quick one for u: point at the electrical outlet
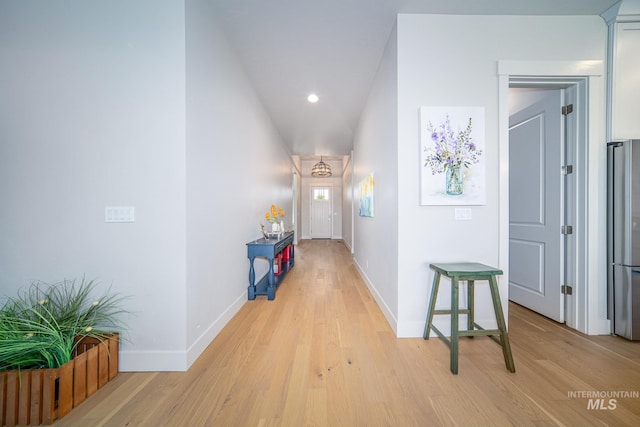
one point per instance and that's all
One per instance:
(119, 214)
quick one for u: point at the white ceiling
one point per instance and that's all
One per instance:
(291, 48)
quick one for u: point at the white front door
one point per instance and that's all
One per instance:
(536, 207)
(321, 209)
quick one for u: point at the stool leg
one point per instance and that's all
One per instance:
(470, 305)
(502, 326)
(454, 325)
(432, 305)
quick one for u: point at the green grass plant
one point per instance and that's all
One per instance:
(40, 327)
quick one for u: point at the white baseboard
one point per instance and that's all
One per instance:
(178, 361)
(145, 361)
(212, 331)
(600, 327)
(413, 329)
(381, 303)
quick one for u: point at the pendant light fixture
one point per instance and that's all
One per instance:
(321, 169)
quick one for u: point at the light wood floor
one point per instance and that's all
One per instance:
(322, 354)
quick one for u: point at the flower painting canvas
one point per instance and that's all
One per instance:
(452, 157)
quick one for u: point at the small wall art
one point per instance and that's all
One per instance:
(365, 193)
(452, 156)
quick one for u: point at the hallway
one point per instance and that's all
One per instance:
(322, 354)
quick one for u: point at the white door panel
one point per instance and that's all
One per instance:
(536, 208)
(321, 209)
(529, 257)
(526, 153)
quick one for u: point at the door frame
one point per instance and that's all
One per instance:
(587, 311)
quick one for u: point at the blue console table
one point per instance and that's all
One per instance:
(268, 248)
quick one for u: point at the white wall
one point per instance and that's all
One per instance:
(236, 168)
(375, 242)
(92, 115)
(106, 104)
(452, 61)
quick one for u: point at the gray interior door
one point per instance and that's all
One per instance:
(536, 207)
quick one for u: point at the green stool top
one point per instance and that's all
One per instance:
(464, 269)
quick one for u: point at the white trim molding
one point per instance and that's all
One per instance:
(590, 290)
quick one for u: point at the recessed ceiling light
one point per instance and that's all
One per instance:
(313, 98)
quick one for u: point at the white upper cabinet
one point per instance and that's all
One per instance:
(625, 84)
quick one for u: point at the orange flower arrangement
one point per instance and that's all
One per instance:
(274, 214)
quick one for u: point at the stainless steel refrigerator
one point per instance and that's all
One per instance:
(623, 237)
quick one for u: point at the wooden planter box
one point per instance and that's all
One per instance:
(41, 396)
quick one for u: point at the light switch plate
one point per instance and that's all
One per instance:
(463, 214)
(119, 214)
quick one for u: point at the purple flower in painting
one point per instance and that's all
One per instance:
(450, 148)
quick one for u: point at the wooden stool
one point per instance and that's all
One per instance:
(469, 271)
